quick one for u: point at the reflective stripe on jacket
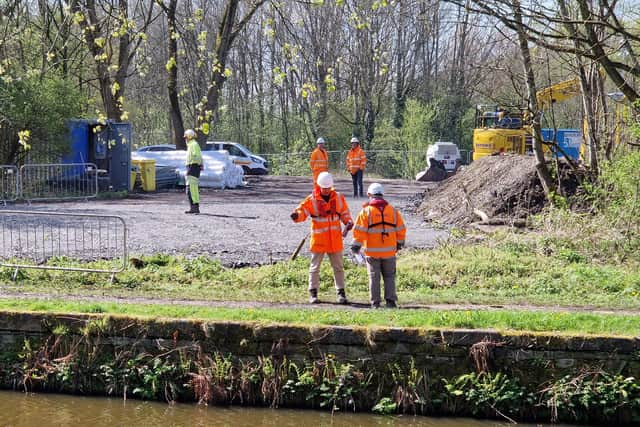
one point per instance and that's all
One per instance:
(194, 155)
(326, 232)
(356, 160)
(379, 233)
(319, 161)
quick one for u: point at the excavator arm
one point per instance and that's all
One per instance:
(557, 93)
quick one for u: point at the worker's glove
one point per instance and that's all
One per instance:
(349, 225)
(294, 216)
(355, 248)
(399, 246)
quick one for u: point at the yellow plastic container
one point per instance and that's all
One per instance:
(134, 173)
(147, 173)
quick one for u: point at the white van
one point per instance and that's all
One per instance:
(241, 156)
(446, 153)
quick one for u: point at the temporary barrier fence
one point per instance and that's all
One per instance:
(58, 181)
(31, 239)
(383, 163)
(9, 183)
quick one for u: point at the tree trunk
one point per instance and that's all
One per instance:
(400, 99)
(356, 114)
(177, 124)
(224, 41)
(98, 40)
(589, 128)
(541, 166)
(369, 122)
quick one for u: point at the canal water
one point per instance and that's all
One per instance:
(54, 410)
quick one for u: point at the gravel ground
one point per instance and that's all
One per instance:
(240, 227)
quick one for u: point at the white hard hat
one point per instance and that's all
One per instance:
(325, 180)
(320, 140)
(189, 134)
(356, 140)
(375, 189)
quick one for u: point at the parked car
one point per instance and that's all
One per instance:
(159, 147)
(241, 156)
(219, 169)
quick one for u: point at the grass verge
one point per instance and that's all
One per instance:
(500, 320)
(505, 270)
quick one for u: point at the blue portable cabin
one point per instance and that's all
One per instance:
(108, 145)
(567, 139)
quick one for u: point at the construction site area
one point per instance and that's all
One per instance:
(250, 226)
(241, 227)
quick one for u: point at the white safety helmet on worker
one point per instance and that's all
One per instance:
(320, 140)
(325, 180)
(189, 134)
(356, 140)
(375, 189)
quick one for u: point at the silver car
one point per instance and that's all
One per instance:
(241, 156)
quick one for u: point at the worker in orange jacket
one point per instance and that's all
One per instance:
(327, 209)
(356, 162)
(319, 161)
(380, 232)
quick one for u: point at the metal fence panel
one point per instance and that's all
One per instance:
(380, 163)
(59, 181)
(9, 183)
(288, 163)
(29, 239)
(465, 155)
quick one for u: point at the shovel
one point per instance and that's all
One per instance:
(295, 253)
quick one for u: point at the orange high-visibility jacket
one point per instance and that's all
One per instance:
(326, 233)
(356, 160)
(378, 233)
(319, 161)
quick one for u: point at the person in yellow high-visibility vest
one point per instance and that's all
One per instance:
(194, 167)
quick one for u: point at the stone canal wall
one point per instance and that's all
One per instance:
(444, 352)
(409, 365)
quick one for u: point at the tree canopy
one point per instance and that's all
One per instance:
(275, 75)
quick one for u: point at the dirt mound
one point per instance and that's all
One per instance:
(505, 187)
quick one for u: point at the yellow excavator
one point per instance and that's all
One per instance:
(504, 130)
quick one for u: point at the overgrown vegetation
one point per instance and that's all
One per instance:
(41, 106)
(89, 362)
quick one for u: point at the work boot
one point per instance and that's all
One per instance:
(375, 305)
(342, 297)
(196, 208)
(391, 304)
(313, 296)
(192, 209)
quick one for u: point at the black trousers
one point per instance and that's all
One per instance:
(356, 178)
